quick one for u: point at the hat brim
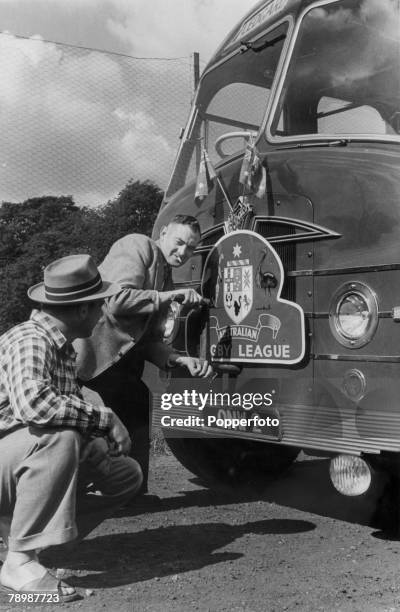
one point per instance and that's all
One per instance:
(108, 289)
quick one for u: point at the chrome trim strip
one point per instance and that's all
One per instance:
(335, 429)
(366, 358)
(386, 314)
(352, 270)
(213, 230)
(312, 231)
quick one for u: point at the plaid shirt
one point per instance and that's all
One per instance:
(38, 383)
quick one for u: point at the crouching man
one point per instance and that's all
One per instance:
(54, 445)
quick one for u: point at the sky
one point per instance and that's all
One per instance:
(83, 123)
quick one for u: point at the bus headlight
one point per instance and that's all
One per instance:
(353, 315)
(171, 322)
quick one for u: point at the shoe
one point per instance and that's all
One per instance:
(3, 552)
(46, 584)
(146, 498)
(143, 500)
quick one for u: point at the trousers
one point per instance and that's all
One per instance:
(52, 497)
(121, 389)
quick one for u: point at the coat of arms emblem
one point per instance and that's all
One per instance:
(249, 320)
(238, 286)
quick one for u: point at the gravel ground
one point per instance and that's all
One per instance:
(296, 545)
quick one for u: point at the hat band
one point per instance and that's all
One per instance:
(57, 294)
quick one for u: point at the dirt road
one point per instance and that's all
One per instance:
(295, 546)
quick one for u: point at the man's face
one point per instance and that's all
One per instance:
(177, 242)
(91, 313)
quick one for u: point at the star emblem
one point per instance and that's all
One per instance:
(237, 250)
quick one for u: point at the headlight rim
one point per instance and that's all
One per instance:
(369, 296)
(174, 308)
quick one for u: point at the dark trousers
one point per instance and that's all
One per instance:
(121, 389)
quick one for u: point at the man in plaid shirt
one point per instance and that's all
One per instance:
(53, 443)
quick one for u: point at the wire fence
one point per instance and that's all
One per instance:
(83, 122)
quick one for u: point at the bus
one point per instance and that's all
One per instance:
(290, 161)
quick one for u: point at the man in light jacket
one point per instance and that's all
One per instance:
(111, 361)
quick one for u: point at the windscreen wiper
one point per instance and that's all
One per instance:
(342, 142)
(249, 46)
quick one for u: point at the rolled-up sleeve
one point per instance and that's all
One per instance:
(34, 398)
(131, 301)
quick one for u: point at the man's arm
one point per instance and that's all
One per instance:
(164, 357)
(132, 301)
(187, 297)
(133, 262)
(36, 401)
(198, 368)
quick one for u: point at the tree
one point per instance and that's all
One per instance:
(40, 230)
(20, 222)
(133, 210)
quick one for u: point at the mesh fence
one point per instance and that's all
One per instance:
(83, 122)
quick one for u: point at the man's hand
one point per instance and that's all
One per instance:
(187, 297)
(120, 442)
(199, 368)
(95, 452)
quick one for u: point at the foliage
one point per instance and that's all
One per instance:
(35, 232)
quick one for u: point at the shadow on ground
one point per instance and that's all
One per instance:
(167, 550)
(306, 486)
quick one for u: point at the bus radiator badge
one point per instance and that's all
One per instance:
(249, 321)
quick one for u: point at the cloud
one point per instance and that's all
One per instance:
(163, 28)
(84, 123)
(178, 26)
(362, 56)
(77, 123)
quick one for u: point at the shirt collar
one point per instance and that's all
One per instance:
(56, 335)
